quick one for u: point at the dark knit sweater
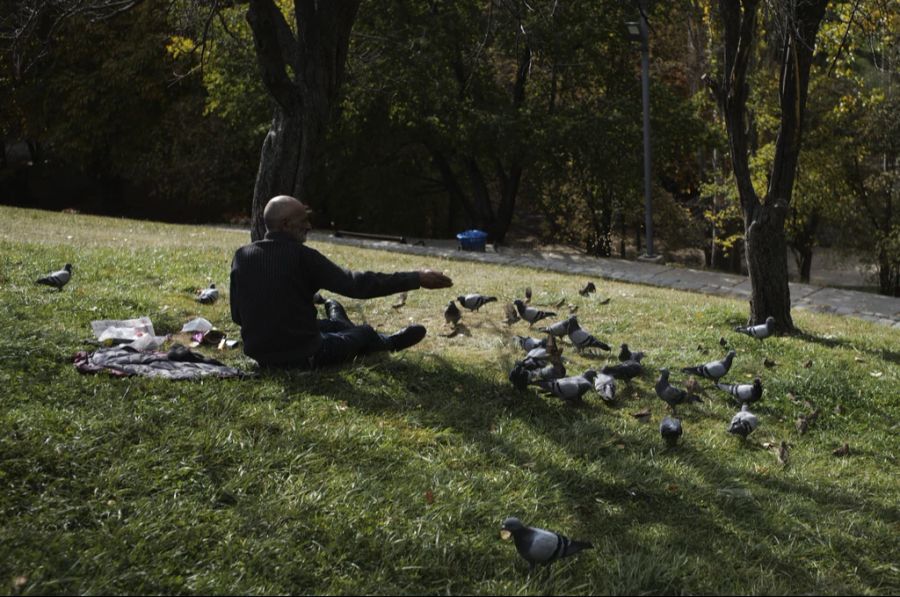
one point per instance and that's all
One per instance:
(272, 286)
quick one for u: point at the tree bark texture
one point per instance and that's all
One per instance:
(798, 24)
(303, 75)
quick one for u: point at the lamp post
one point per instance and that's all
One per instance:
(638, 31)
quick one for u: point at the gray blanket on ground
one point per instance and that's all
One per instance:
(178, 363)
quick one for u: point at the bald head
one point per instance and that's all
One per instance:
(286, 214)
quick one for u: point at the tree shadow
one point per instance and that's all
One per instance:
(889, 356)
(642, 493)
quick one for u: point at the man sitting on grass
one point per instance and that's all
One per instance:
(273, 285)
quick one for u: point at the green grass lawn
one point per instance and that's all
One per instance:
(393, 475)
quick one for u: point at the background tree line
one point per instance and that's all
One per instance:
(497, 114)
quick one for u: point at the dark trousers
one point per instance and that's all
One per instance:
(343, 341)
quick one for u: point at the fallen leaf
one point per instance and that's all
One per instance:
(620, 446)
(429, 497)
(672, 488)
(859, 359)
(807, 364)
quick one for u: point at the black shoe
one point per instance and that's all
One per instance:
(408, 336)
(335, 312)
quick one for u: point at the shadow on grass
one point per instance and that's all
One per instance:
(886, 355)
(702, 522)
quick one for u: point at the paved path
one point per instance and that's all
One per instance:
(871, 307)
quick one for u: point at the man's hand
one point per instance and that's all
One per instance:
(431, 279)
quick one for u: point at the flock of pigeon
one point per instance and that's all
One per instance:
(543, 367)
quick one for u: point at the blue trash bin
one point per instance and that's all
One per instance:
(472, 240)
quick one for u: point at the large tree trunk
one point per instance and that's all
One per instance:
(798, 24)
(303, 74)
(767, 264)
(278, 166)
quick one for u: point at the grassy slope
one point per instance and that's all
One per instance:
(393, 475)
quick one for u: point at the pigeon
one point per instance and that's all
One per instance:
(783, 453)
(713, 370)
(589, 288)
(452, 314)
(208, 296)
(560, 328)
(474, 302)
(570, 389)
(627, 370)
(401, 301)
(743, 423)
(582, 340)
(536, 358)
(670, 394)
(530, 314)
(670, 430)
(744, 393)
(763, 330)
(625, 354)
(512, 315)
(842, 451)
(529, 344)
(539, 546)
(605, 386)
(57, 279)
(643, 416)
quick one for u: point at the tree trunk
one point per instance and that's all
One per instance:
(764, 220)
(278, 166)
(303, 74)
(767, 265)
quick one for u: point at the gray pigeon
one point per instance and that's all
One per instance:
(744, 393)
(539, 546)
(452, 314)
(530, 314)
(529, 344)
(743, 423)
(763, 330)
(670, 430)
(713, 370)
(57, 279)
(583, 340)
(570, 389)
(560, 328)
(588, 288)
(670, 394)
(626, 354)
(605, 386)
(626, 371)
(474, 302)
(208, 296)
